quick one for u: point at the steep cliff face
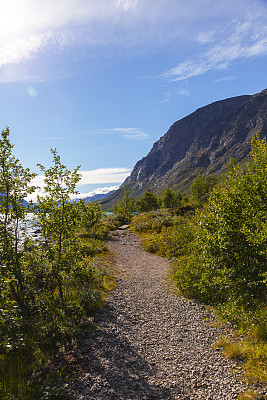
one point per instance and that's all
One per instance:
(202, 142)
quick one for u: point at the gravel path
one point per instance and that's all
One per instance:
(150, 344)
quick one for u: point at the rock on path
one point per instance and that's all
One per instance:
(150, 344)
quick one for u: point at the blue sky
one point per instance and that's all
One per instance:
(102, 80)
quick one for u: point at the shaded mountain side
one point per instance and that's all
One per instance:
(24, 202)
(202, 142)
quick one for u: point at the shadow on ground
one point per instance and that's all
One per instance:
(109, 367)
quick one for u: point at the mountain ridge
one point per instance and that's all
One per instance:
(201, 142)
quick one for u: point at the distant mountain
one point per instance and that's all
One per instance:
(98, 197)
(203, 142)
(24, 202)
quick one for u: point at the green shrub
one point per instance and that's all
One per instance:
(50, 291)
(147, 202)
(232, 234)
(152, 221)
(125, 207)
(112, 221)
(172, 241)
(170, 199)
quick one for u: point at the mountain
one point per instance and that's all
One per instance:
(203, 142)
(98, 197)
(24, 202)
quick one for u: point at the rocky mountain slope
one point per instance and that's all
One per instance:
(202, 142)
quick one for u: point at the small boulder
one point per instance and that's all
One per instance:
(123, 227)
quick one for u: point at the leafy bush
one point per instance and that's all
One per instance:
(220, 254)
(147, 202)
(111, 222)
(90, 246)
(232, 235)
(202, 187)
(170, 199)
(152, 221)
(125, 207)
(171, 241)
(48, 292)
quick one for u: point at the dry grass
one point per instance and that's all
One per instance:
(251, 395)
(252, 354)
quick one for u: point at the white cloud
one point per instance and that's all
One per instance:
(242, 40)
(130, 133)
(225, 79)
(54, 138)
(184, 92)
(92, 177)
(127, 133)
(30, 27)
(167, 97)
(104, 190)
(172, 94)
(205, 37)
(104, 175)
(80, 195)
(127, 4)
(24, 49)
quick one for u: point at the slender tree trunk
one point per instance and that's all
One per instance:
(58, 268)
(59, 257)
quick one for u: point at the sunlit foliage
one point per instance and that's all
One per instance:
(49, 288)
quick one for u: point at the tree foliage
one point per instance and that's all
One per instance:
(148, 202)
(170, 199)
(58, 217)
(14, 186)
(201, 188)
(49, 290)
(230, 256)
(125, 207)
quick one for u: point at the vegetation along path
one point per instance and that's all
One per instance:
(150, 343)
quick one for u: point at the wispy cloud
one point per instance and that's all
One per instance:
(127, 133)
(241, 40)
(54, 138)
(225, 79)
(167, 96)
(30, 28)
(184, 92)
(205, 37)
(24, 49)
(127, 4)
(130, 133)
(46, 28)
(174, 94)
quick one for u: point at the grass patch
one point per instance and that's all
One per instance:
(234, 350)
(251, 395)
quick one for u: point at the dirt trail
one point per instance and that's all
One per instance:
(151, 344)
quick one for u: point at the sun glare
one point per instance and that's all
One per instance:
(14, 19)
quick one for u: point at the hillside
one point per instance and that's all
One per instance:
(202, 142)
